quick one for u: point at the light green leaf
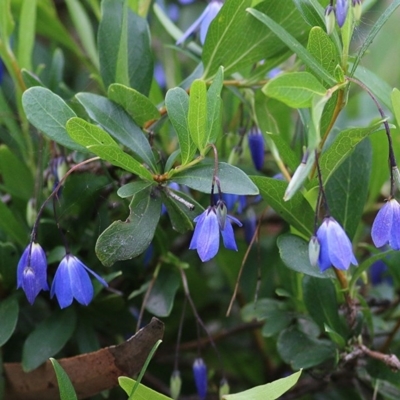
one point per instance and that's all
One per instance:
(395, 100)
(233, 180)
(296, 89)
(270, 391)
(309, 13)
(137, 105)
(294, 253)
(119, 125)
(131, 188)
(296, 212)
(26, 33)
(214, 107)
(197, 116)
(67, 391)
(48, 338)
(177, 103)
(100, 143)
(49, 113)
(9, 310)
(142, 392)
(162, 295)
(123, 240)
(295, 46)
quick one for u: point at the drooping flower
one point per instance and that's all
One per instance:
(385, 229)
(31, 271)
(335, 246)
(72, 281)
(257, 148)
(342, 7)
(200, 377)
(203, 22)
(206, 233)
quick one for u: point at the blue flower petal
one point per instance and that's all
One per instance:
(29, 284)
(382, 225)
(200, 377)
(208, 240)
(394, 239)
(196, 234)
(192, 28)
(62, 285)
(211, 12)
(324, 261)
(228, 237)
(340, 250)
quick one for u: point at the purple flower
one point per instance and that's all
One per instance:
(379, 273)
(72, 281)
(203, 22)
(342, 7)
(200, 377)
(257, 148)
(335, 246)
(385, 229)
(31, 271)
(206, 233)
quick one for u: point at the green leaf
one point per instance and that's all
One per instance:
(119, 125)
(197, 116)
(30, 79)
(373, 32)
(138, 106)
(162, 295)
(12, 226)
(26, 33)
(84, 29)
(395, 100)
(8, 260)
(100, 143)
(309, 13)
(270, 391)
(343, 145)
(6, 21)
(296, 89)
(233, 180)
(347, 190)
(236, 40)
(302, 351)
(214, 107)
(8, 316)
(177, 103)
(49, 113)
(123, 240)
(297, 211)
(142, 392)
(295, 46)
(67, 391)
(131, 188)
(294, 253)
(124, 47)
(319, 297)
(48, 338)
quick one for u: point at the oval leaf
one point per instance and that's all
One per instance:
(8, 316)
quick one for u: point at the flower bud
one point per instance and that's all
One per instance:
(342, 6)
(200, 377)
(396, 176)
(313, 251)
(175, 384)
(357, 10)
(329, 19)
(257, 148)
(223, 388)
(31, 213)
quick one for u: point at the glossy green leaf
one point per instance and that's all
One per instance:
(177, 103)
(26, 33)
(343, 145)
(124, 47)
(48, 338)
(296, 89)
(67, 391)
(395, 100)
(49, 113)
(142, 392)
(229, 35)
(197, 116)
(303, 351)
(295, 46)
(100, 143)
(233, 180)
(347, 190)
(131, 188)
(214, 108)
(294, 253)
(119, 125)
(9, 310)
(137, 105)
(309, 13)
(270, 391)
(319, 297)
(162, 295)
(30, 79)
(123, 240)
(296, 212)
(84, 29)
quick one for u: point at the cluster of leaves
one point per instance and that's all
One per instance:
(80, 84)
